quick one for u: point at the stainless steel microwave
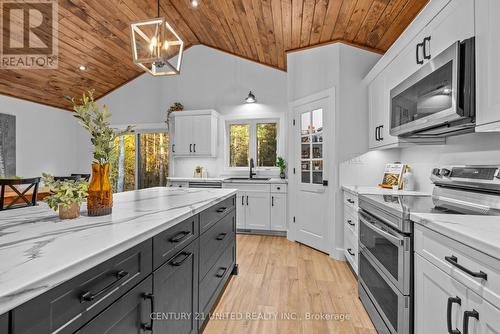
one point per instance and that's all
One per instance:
(438, 100)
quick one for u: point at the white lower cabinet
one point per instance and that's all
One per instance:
(260, 206)
(351, 229)
(448, 298)
(278, 212)
(257, 211)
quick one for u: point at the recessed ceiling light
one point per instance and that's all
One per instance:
(82, 68)
(194, 3)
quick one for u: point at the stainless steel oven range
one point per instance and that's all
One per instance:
(386, 238)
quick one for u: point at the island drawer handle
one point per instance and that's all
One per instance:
(179, 236)
(151, 297)
(350, 222)
(184, 256)
(349, 250)
(453, 260)
(350, 201)
(223, 272)
(221, 236)
(89, 296)
(221, 210)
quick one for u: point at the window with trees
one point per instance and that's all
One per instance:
(253, 139)
(140, 161)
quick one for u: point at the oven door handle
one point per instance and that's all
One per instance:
(395, 240)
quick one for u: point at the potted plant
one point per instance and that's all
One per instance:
(65, 196)
(281, 163)
(177, 106)
(96, 121)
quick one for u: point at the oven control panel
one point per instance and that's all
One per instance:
(483, 177)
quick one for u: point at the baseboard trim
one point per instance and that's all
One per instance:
(338, 254)
(262, 232)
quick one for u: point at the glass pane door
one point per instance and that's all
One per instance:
(311, 139)
(123, 164)
(153, 160)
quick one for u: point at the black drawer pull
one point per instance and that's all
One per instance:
(151, 297)
(349, 250)
(221, 236)
(219, 274)
(350, 201)
(454, 262)
(467, 315)
(179, 236)
(221, 210)
(451, 301)
(89, 296)
(350, 222)
(183, 257)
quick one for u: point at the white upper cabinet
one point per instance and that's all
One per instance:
(487, 65)
(195, 133)
(453, 21)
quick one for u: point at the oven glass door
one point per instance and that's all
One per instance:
(386, 299)
(388, 249)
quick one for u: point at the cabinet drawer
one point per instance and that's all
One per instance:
(442, 251)
(351, 223)
(278, 188)
(351, 248)
(128, 315)
(351, 200)
(213, 214)
(68, 306)
(215, 240)
(174, 239)
(4, 323)
(214, 281)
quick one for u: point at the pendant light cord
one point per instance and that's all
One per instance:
(158, 8)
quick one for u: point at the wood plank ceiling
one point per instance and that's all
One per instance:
(96, 33)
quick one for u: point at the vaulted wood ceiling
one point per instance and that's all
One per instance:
(96, 33)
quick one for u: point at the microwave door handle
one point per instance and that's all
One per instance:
(395, 240)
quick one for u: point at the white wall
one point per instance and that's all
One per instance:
(209, 79)
(342, 67)
(46, 139)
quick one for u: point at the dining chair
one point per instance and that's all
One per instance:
(20, 194)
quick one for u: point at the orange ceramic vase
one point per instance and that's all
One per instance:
(100, 198)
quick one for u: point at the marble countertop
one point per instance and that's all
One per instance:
(38, 251)
(226, 180)
(367, 190)
(479, 232)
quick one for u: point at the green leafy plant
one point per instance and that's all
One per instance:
(64, 193)
(96, 122)
(281, 163)
(177, 106)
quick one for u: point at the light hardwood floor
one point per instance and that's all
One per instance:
(282, 278)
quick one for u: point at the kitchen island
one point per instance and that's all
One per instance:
(161, 250)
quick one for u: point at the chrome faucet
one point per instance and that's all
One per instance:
(252, 174)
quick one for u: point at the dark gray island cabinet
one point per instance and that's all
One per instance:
(166, 284)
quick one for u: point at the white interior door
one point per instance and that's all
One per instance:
(312, 138)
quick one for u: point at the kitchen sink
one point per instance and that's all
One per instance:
(248, 179)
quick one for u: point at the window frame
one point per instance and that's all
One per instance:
(252, 145)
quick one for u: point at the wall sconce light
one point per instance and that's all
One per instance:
(250, 98)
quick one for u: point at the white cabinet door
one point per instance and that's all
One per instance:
(240, 210)
(257, 210)
(183, 135)
(201, 135)
(278, 212)
(433, 290)
(376, 108)
(483, 317)
(487, 62)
